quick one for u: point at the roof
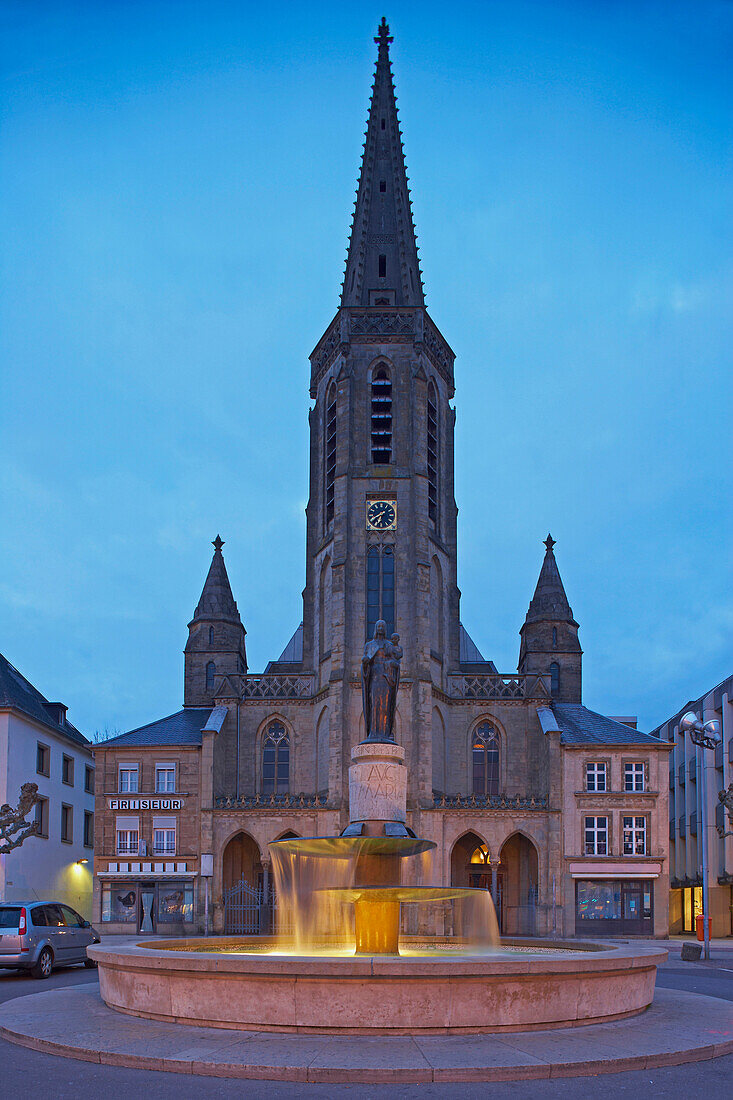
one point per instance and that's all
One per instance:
(182, 728)
(580, 726)
(217, 601)
(549, 603)
(383, 254)
(19, 693)
(293, 652)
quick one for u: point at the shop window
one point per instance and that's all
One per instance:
(67, 770)
(635, 836)
(88, 779)
(43, 759)
(596, 836)
(175, 903)
(119, 903)
(88, 829)
(634, 775)
(42, 817)
(128, 778)
(275, 760)
(485, 758)
(595, 776)
(67, 823)
(165, 778)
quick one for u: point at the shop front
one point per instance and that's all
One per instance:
(154, 905)
(612, 907)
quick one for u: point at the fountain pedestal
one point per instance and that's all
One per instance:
(378, 783)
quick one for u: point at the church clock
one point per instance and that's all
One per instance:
(381, 515)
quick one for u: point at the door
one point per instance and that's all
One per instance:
(60, 936)
(147, 909)
(631, 911)
(77, 935)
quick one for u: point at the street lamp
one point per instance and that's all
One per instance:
(707, 736)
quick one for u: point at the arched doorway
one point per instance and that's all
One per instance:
(519, 865)
(241, 860)
(471, 865)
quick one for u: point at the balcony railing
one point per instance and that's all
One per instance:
(496, 686)
(274, 686)
(271, 802)
(489, 802)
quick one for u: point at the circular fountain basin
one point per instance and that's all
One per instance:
(199, 982)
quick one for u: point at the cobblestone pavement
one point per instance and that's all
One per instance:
(31, 1074)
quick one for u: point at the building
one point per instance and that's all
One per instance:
(499, 765)
(686, 763)
(39, 745)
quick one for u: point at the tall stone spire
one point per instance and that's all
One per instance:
(217, 601)
(549, 603)
(382, 266)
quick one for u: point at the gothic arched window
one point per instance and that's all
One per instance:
(210, 673)
(381, 418)
(485, 760)
(433, 441)
(554, 679)
(211, 635)
(329, 453)
(275, 759)
(380, 588)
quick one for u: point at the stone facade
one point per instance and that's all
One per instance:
(485, 778)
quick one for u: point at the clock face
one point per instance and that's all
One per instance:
(381, 515)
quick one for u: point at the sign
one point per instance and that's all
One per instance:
(146, 803)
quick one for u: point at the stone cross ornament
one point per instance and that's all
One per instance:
(14, 828)
(380, 678)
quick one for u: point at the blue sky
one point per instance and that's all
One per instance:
(177, 181)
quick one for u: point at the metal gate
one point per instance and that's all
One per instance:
(243, 910)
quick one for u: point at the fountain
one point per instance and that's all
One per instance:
(340, 962)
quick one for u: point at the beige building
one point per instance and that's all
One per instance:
(686, 764)
(490, 756)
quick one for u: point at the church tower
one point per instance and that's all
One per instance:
(550, 643)
(381, 516)
(215, 645)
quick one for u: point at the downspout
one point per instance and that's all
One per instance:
(237, 781)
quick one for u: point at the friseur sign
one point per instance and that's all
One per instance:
(146, 803)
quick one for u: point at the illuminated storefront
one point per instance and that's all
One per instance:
(614, 907)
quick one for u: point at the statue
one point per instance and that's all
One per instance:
(380, 678)
(726, 797)
(14, 828)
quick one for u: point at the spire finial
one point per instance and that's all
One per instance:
(217, 544)
(383, 36)
(549, 542)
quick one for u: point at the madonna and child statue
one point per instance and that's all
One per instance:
(380, 678)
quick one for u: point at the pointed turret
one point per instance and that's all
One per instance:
(215, 645)
(382, 266)
(549, 635)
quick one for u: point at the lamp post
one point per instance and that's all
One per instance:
(707, 736)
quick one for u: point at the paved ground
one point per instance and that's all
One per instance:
(32, 1075)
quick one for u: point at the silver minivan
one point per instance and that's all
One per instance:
(38, 935)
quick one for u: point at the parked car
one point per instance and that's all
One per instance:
(38, 935)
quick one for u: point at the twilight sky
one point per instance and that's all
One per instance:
(177, 181)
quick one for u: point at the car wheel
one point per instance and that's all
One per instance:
(44, 965)
(90, 964)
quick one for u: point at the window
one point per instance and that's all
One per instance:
(211, 635)
(88, 779)
(88, 829)
(128, 836)
(165, 778)
(635, 836)
(329, 453)
(381, 424)
(554, 637)
(43, 759)
(486, 760)
(384, 123)
(433, 453)
(67, 823)
(210, 673)
(554, 679)
(596, 836)
(67, 770)
(164, 836)
(595, 777)
(128, 779)
(119, 902)
(175, 903)
(634, 775)
(382, 186)
(42, 817)
(382, 266)
(275, 760)
(380, 588)
(72, 918)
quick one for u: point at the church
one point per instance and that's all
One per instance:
(559, 811)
